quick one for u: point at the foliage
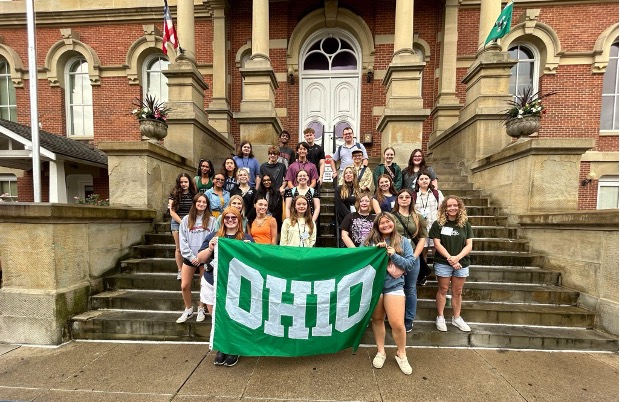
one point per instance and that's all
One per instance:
(150, 108)
(527, 103)
(93, 199)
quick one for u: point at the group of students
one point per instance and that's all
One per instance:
(407, 216)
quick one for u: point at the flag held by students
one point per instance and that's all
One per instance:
(502, 25)
(170, 34)
(290, 301)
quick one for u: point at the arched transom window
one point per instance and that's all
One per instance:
(79, 99)
(8, 108)
(156, 82)
(611, 92)
(330, 54)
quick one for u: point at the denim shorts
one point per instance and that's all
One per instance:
(174, 226)
(446, 271)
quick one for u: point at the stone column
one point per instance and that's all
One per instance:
(219, 111)
(446, 111)
(185, 28)
(489, 11)
(401, 122)
(403, 26)
(189, 132)
(258, 120)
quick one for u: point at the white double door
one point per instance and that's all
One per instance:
(329, 104)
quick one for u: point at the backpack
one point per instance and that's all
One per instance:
(357, 144)
(414, 196)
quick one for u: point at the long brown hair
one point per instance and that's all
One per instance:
(379, 193)
(375, 235)
(294, 216)
(411, 210)
(177, 191)
(442, 214)
(239, 235)
(410, 165)
(193, 213)
(345, 190)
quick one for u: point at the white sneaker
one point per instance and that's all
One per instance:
(460, 324)
(186, 315)
(440, 323)
(178, 275)
(404, 365)
(201, 314)
(378, 361)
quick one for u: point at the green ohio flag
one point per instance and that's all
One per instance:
(502, 25)
(290, 301)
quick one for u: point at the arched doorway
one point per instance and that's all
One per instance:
(329, 99)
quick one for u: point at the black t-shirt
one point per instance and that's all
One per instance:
(357, 226)
(287, 156)
(315, 154)
(183, 207)
(276, 171)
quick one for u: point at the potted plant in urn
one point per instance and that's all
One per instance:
(523, 116)
(152, 115)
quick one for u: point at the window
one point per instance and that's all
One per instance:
(8, 187)
(79, 98)
(611, 92)
(523, 75)
(155, 82)
(608, 191)
(8, 108)
(330, 53)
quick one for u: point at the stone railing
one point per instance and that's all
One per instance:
(53, 257)
(583, 246)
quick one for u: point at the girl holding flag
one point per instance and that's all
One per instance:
(392, 301)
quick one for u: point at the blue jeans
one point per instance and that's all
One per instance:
(411, 292)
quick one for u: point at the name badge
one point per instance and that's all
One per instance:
(392, 204)
(447, 231)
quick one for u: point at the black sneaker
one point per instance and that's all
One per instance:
(408, 326)
(421, 281)
(231, 360)
(219, 358)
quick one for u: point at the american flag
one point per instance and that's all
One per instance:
(170, 34)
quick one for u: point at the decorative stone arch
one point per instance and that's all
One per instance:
(602, 48)
(15, 63)
(542, 37)
(62, 51)
(420, 45)
(331, 17)
(247, 48)
(147, 45)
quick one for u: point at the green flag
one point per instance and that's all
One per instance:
(291, 301)
(502, 25)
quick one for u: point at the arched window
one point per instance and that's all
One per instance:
(524, 74)
(331, 53)
(155, 82)
(8, 108)
(79, 99)
(611, 92)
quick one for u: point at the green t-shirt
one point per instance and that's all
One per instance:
(410, 223)
(453, 238)
(202, 187)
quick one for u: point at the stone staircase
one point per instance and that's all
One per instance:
(509, 301)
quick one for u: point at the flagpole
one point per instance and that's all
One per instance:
(34, 110)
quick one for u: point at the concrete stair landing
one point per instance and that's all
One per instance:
(509, 300)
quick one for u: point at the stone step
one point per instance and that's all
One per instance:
(475, 200)
(508, 293)
(475, 210)
(502, 258)
(161, 326)
(451, 186)
(452, 176)
(154, 281)
(488, 220)
(495, 244)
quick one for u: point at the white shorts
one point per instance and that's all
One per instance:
(207, 294)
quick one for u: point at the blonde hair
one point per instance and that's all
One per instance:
(461, 216)
(375, 235)
(306, 216)
(240, 198)
(344, 189)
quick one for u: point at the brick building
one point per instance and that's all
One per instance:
(398, 72)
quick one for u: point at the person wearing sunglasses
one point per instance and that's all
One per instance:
(231, 229)
(218, 197)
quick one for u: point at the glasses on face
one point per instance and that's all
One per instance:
(358, 155)
(230, 218)
(218, 179)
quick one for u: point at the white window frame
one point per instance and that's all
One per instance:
(6, 86)
(69, 106)
(615, 126)
(10, 178)
(607, 181)
(535, 61)
(146, 71)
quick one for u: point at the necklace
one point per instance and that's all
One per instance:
(262, 221)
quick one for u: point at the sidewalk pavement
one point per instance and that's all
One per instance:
(103, 371)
